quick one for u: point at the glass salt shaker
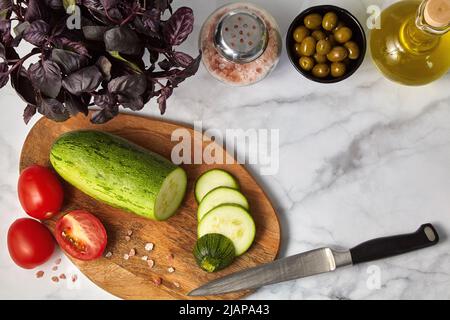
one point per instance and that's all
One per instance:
(241, 44)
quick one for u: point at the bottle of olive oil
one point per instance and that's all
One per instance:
(412, 46)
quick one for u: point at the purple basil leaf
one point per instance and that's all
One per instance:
(182, 59)
(5, 31)
(165, 64)
(68, 61)
(46, 77)
(179, 26)
(94, 33)
(104, 100)
(152, 19)
(130, 85)
(78, 47)
(54, 4)
(162, 5)
(105, 67)
(108, 4)
(123, 40)
(5, 5)
(95, 5)
(181, 75)
(105, 114)
(4, 75)
(37, 32)
(75, 105)
(84, 80)
(28, 113)
(35, 11)
(53, 109)
(2, 51)
(133, 103)
(166, 92)
(21, 82)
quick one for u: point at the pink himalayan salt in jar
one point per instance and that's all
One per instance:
(241, 44)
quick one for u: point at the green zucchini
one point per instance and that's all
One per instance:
(119, 173)
(231, 221)
(213, 179)
(213, 252)
(219, 196)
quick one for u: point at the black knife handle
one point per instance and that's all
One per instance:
(380, 248)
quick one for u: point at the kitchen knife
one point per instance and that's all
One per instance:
(319, 261)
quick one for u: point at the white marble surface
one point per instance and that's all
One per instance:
(359, 159)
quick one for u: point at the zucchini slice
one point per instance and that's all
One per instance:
(213, 179)
(219, 196)
(231, 221)
(213, 252)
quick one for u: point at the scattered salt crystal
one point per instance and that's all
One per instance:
(108, 254)
(132, 253)
(126, 256)
(149, 246)
(151, 263)
(171, 270)
(145, 258)
(129, 232)
(176, 284)
(62, 276)
(74, 278)
(55, 279)
(58, 261)
(127, 238)
(39, 274)
(55, 268)
(157, 281)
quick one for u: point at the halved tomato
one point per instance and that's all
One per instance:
(81, 235)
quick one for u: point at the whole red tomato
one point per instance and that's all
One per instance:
(40, 192)
(30, 243)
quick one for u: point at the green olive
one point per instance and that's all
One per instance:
(323, 47)
(339, 25)
(330, 21)
(308, 46)
(301, 33)
(343, 35)
(306, 63)
(321, 70)
(337, 54)
(297, 49)
(332, 40)
(320, 58)
(353, 50)
(318, 35)
(313, 21)
(338, 69)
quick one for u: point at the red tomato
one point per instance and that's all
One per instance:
(40, 192)
(81, 235)
(30, 243)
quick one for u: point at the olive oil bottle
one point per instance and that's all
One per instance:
(412, 46)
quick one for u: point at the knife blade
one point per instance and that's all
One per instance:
(319, 261)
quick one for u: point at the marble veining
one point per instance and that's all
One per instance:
(359, 159)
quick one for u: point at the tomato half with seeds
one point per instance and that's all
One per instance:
(81, 235)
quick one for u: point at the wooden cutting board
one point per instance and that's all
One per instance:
(173, 239)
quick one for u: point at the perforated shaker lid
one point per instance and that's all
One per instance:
(241, 36)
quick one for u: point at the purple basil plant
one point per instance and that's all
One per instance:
(107, 53)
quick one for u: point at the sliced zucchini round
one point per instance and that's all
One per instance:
(171, 194)
(213, 252)
(232, 221)
(213, 179)
(219, 196)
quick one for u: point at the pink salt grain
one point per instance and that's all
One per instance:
(39, 274)
(74, 278)
(55, 279)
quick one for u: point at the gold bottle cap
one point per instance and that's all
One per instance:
(437, 13)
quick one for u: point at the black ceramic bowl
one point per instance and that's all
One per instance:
(349, 20)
